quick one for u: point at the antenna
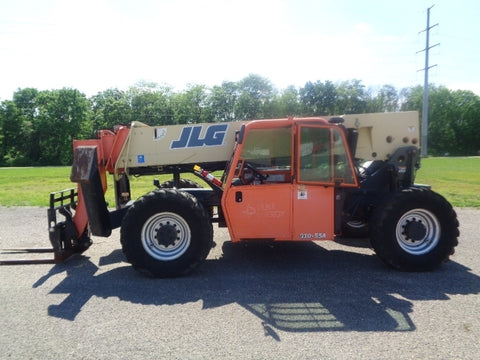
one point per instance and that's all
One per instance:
(424, 143)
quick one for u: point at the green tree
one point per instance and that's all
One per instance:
(318, 98)
(441, 133)
(384, 100)
(467, 122)
(289, 102)
(61, 114)
(10, 131)
(351, 98)
(150, 104)
(411, 99)
(222, 101)
(255, 92)
(17, 116)
(248, 108)
(454, 120)
(26, 101)
(111, 107)
(191, 105)
(283, 105)
(37, 127)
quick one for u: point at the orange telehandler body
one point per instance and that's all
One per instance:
(295, 179)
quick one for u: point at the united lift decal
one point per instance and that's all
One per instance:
(191, 136)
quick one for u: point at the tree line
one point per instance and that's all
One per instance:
(37, 127)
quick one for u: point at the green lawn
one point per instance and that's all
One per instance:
(456, 178)
(32, 186)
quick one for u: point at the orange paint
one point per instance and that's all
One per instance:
(290, 193)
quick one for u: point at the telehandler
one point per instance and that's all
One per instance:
(293, 179)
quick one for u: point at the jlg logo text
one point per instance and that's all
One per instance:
(191, 136)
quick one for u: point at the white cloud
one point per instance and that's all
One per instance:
(363, 28)
(472, 86)
(96, 44)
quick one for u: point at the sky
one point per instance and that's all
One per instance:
(94, 45)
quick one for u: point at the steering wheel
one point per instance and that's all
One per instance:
(256, 174)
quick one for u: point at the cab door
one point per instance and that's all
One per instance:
(323, 167)
(260, 212)
(313, 216)
(257, 201)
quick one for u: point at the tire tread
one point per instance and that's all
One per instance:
(384, 242)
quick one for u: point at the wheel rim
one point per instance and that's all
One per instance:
(356, 224)
(418, 231)
(166, 236)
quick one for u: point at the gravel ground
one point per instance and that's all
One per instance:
(327, 300)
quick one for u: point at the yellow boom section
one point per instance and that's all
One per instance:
(380, 134)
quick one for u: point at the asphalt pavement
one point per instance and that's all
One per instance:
(324, 300)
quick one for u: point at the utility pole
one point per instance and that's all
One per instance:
(424, 143)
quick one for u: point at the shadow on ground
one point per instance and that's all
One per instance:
(289, 287)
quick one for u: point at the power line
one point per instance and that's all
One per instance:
(425, 84)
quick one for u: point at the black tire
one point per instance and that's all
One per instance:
(415, 229)
(354, 229)
(356, 216)
(183, 183)
(166, 233)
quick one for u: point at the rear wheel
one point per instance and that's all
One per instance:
(355, 228)
(166, 233)
(414, 230)
(355, 218)
(183, 183)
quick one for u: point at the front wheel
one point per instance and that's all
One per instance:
(415, 229)
(166, 233)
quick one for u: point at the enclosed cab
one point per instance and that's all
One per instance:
(286, 181)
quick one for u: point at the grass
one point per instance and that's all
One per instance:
(456, 178)
(31, 186)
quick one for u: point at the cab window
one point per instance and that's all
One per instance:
(269, 152)
(323, 156)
